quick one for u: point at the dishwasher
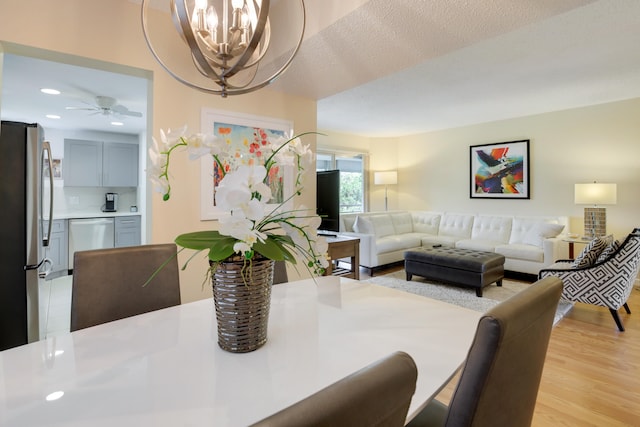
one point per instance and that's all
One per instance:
(91, 233)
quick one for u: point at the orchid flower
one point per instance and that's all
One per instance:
(252, 226)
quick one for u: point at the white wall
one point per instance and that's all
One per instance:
(597, 143)
(111, 31)
(600, 143)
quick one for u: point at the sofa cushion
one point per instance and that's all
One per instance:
(494, 228)
(521, 251)
(590, 253)
(347, 222)
(402, 222)
(522, 226)
(397, 242)
(456, 225)
(540, 231)
(425, 222)
(446, 241)
(478, 244)
(378, 225)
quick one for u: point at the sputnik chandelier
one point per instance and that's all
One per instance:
(231, 43)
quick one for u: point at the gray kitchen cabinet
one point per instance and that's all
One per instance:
(127, 231)
(58, 248)
(119, 165)
(100, 164)
(82, 163)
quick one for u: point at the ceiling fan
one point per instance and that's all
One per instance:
(107, 106)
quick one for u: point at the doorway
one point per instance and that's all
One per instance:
(95, 99)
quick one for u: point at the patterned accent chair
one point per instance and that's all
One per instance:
(607, 283)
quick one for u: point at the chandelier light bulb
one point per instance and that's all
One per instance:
(228, 41)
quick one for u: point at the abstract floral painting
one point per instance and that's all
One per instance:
(241, 138)
(242, 133)
(500, 170)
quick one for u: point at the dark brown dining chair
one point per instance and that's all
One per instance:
(107, 284)
(499, 382)
(377, 395)
(280, 272)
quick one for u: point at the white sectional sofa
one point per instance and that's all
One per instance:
(528, 243)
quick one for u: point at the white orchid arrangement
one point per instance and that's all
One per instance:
(254, 226)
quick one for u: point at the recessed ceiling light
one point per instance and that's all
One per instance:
(49, 91)
(52, 116)
(54, 396)
(117, 123)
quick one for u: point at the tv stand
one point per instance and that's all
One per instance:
(327, 234)
(344, 247)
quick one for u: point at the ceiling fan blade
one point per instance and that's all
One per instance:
(131, 113)
(80, 108)
(124, 111)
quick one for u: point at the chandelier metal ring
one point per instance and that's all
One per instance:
(245, 37)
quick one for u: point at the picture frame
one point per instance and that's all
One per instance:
(500, 170)
(238, 130)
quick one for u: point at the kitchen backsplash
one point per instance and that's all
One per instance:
(68, 200)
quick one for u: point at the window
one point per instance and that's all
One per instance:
(352, 178)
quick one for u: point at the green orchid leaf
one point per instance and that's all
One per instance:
(273, 248)
(220, 253)
(222, 248)
(199, 240)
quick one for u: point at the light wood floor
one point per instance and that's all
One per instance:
(592, 371)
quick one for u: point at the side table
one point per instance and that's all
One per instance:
(573, 240)
(344, 247)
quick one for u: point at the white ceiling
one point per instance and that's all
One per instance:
(24, 76)
(391, 68)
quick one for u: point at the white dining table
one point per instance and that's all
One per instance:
(165, 368)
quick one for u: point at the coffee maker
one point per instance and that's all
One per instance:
(110, 202)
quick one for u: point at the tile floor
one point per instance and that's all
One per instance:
(55, 306)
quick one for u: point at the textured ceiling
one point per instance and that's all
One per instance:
(388, 68)
(395, 67)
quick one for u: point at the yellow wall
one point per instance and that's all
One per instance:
(111, 31)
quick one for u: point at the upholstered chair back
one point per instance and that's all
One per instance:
(108, 283)
(378, 395)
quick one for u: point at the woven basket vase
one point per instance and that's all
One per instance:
(242, 297)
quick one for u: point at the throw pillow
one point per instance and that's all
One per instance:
(614, 246)
(543, 230)
(590, 253)
(363, 225)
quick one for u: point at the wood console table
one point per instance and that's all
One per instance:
(344, 247)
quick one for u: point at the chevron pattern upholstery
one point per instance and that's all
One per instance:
(607, 283)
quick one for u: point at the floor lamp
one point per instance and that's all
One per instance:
(385, 178)
(595, 218)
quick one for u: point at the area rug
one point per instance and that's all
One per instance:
(463, 297)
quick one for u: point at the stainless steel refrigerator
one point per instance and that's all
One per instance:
(25, 172)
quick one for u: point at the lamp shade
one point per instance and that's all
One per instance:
(595, 194)
(385, 178)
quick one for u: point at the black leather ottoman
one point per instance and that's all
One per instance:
(462, 267)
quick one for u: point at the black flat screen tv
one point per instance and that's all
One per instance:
(328, 201)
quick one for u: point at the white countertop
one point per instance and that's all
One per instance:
(165, 368)
(91, 214)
